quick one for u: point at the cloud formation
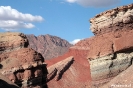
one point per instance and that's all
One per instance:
(71, 1)
(75, 41)
(94, 3)
(11, 19)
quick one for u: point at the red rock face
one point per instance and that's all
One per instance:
(106, 44)
(79, 55)
(49, 46)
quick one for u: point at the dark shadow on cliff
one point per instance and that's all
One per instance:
(1, 66)
(4, 84)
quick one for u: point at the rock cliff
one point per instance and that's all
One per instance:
(20, 64)
(49, 46)
(111, 50)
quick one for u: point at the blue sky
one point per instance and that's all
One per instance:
(68, 19)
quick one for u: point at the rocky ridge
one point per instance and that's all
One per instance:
(57, 70)
(68, 73)
(49, 46)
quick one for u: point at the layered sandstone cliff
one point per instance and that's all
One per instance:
(20, 64)
(120, 18)
(49, 46)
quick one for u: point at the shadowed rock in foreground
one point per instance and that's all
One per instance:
(22, 65)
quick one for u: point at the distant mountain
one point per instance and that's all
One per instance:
(49, 46)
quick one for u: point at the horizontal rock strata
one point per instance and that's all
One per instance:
(123, 80)
(111, 65)
(120, 18)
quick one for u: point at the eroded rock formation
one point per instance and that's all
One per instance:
(20, 64)
(49, 46)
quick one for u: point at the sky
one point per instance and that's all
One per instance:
(68, 19)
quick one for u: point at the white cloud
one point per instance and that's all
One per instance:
(94, 3)
(11, 19)
(71, 1)
(14, 25)
(75, 41)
